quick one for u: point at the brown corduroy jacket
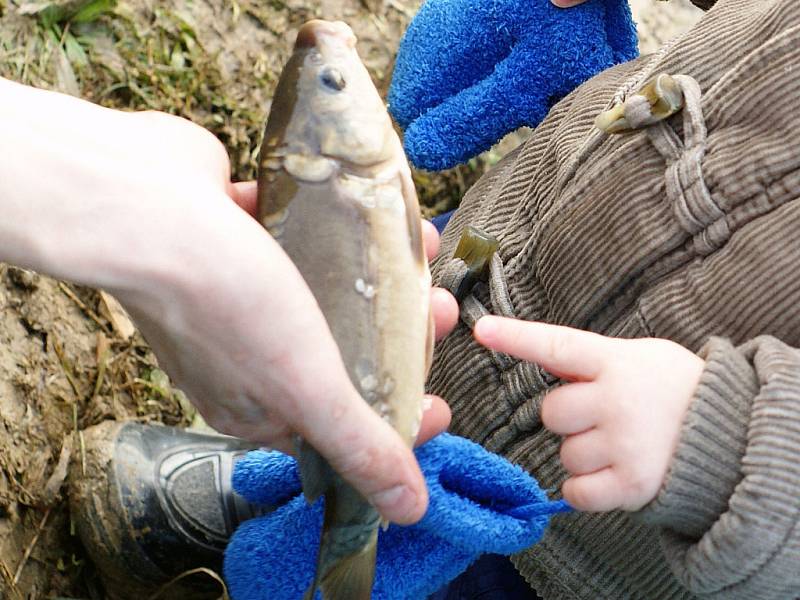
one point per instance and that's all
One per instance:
(689, 230)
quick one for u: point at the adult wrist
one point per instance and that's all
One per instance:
(86, 196)
(48, 178)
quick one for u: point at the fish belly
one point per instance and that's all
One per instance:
(350, 240)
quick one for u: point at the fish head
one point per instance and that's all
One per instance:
(336, 113)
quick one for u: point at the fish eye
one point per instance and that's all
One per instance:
(332, 79)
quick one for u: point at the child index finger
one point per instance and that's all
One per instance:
(563, 351)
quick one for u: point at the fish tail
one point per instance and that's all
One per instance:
(352, 577)
(349, 576)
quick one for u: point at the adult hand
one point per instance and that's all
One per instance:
(141, 204)
(621, 415)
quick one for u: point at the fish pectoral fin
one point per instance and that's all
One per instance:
(310, 168)
(315, 473)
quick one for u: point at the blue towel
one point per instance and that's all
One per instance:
(479, 503)
(441, 221)
(470, 71)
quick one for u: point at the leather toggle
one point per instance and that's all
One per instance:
(657, 100)
(476, 249)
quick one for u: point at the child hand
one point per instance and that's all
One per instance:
(621, 412)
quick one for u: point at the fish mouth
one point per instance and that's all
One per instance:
(312, 32)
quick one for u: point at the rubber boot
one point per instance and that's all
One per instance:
(151, 503)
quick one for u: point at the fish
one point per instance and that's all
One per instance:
(335, 190)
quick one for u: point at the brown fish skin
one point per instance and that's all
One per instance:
(335, 191)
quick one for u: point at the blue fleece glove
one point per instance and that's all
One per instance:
(479, 503)
(470, 71)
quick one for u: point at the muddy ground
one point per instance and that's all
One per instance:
(65, 363)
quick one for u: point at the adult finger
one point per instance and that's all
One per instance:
(565, 352)
(445, 311)
(585, 453)
(596, 492)
(435, 419)
(368, 453)
(430, 237)
(245, 194)
(571, 408)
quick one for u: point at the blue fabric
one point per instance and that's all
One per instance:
(479, 503)
(440, 221)
(470, 71)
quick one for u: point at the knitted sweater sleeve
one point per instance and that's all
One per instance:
(729, 511)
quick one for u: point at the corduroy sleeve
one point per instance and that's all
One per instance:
(730, 507)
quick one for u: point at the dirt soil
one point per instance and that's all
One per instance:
(65, 363)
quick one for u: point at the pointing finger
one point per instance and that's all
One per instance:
(565, 352)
